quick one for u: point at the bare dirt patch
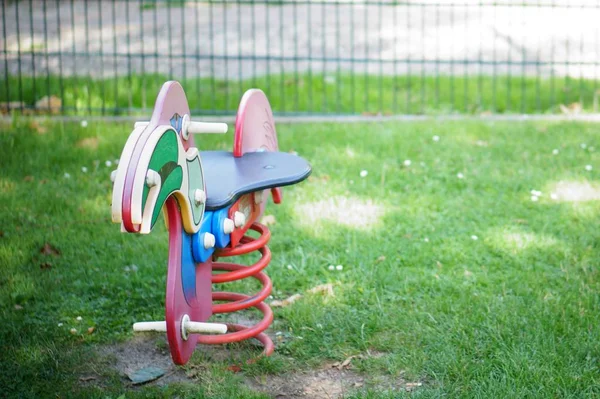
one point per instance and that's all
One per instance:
(144, 351)
(330, 382)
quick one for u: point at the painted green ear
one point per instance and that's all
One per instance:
(164, 161)
(196, 182)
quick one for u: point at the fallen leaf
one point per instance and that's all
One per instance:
(45, 265)
(268, 220)
(146, 374)
(90, 378)
(18, 307)
(6, 107)
(50, 104)
(91, 330)
(286, 302)
(39, 128)
(28, 178)
(234, 368)
(327, 288)
(48, 249)
(90, 143)
(381, 258)
(412, 385)
(571, 109)
(346, 363)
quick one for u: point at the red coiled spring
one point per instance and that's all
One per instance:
(236, 302)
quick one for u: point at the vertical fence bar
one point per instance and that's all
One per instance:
(509, 72)
(466, 62)
(183, 54)
(324, 56)
(142, 53)
(19, 68)
(32, 51)
(452, 98)
(197, 63)
(480, 59)
(338, 46)
(366, 72)
(437, 56)
(60, 65)
(156, 54)
(101, 31)
(422, 110)
(282, 58)
(115, 57)
(211, 39)
(75, 79)
(538, 67)
(87, 57)
(169, 40)
(408, 58)
(566, 88)
(5, 51)
(129, 71)
(395, 66)
(552, 53)
(495, 63)
(226, 55)
(380, 58)
(255, 54)
(352, 8)
(296, 55)
(523, 63)
(239, 31)
(310, 59)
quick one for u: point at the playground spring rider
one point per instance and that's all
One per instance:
(211, 199)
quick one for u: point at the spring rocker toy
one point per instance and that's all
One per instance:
(211, 199)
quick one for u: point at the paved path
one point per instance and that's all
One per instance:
(198, 39)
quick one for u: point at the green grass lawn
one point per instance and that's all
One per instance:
(317, 93)
(512, 313)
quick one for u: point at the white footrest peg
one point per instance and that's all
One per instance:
(187, 327)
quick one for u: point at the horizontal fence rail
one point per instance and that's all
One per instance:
(86, 58)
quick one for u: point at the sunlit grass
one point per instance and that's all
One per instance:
(464, 284)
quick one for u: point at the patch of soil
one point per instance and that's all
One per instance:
(144, 351)
(327, 383)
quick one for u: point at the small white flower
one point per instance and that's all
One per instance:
(583, 146)
(319, 325)
(460, 175)
(339, 267)
(84, 123)
(79, 318)
(60, 324)
(363, 173)
(331, 267)
(534, 198)
(278, 333)
(426, 239)
(73, 331)
(474, 238)
(588, 167)
(108, 164)
(555, 151)
(134, 268)
(536, 193)
(436, 138)
(407, 162)
(67, 175)
(289, 267)
(84, 169)
(554, 196)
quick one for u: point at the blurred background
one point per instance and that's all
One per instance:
(320, 57)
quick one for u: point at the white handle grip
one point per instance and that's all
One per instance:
(207, 127)
(189, 326)
(197, 127)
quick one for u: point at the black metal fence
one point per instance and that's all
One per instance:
(84, 57)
